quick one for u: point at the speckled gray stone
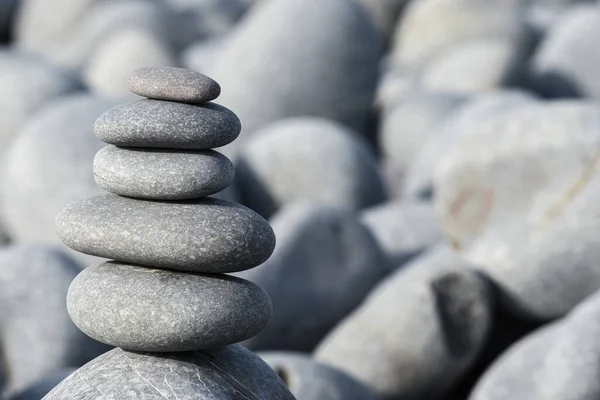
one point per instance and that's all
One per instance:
(166, 124)
(228, 373)
(173, 84)
(417, 332)
(207, 235)
(162, 174)
(38, 338)
(308, 159)
(308, 379)
(146, 309)
(324, 260)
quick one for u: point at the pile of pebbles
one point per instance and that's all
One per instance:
(164, 299)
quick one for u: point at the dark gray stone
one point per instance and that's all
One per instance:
(162, 174)
(145, 309)
(38, 338)
(7, 12)
(309, 380)
(43, 386)
(403, 229)
(173, 84)
(316, 59)
(567, 60)
(324, 264)
(48, 165)
(207, 235)
(417, 332)
(156, 123)
(519, 199)
(228, 373)
(308, 159)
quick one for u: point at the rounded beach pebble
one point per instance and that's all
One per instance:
(227, 373)
(144, 309)
(174, 84)
(207, 235)
(166, 124)
(162, 174)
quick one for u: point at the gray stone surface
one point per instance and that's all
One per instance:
(316, 59)
(307, 159)
(28, 82)
(43, 386)
(50, 164)
(173, 84)
(308, 379)
(207, 235)
(156, 123)
(403, 228)
(431, 26)
(324, 264)
(409, 123)
(385, 14)
(228, 373)
(144, 309)
(38, 338)
(567, 60)
(465, 122)
(162, 174)
(417, 332)
(519, 199)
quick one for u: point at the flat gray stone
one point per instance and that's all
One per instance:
(417, 332)
(146, 309)
(173, 84)
(162, 174)
(316, 59)
(324, 260)
(227, 373)
(207, 235)
(403, 229)
(518, 198)
(37, 334)
(166, 124)
(308, 159)
(308, 379)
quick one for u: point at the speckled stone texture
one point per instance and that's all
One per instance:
(207, 235)
(174, 84)
(166, 124)
(308, 379)
(145, 309)
(228, 373)
(162, 174)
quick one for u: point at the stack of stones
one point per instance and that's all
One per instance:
(163, 299)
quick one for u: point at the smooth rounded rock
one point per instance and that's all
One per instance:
(417, 332)
(324, 260)
(316, 59)
(38, 338)
(145, 309)
(207, 235)
(156, 123)
(308, 379)
(173, 84)
(162, 174)
(308, 159)
(227, 373)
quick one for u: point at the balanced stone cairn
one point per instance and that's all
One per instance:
(163, 299)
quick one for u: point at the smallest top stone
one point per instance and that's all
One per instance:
(174, 84)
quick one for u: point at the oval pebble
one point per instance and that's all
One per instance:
(124, 305)
(166, 124)
(174, 84)
(207, 235)
(162, 174)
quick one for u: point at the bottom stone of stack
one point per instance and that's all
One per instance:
(227, 373)
(147, 309)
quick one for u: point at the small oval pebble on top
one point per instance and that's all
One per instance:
(174, 84)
